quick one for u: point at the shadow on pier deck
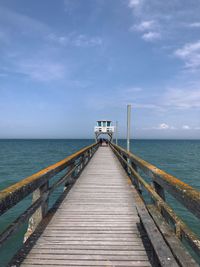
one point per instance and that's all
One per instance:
(102, 219)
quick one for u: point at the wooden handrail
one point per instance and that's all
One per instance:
(38, 184)
(184, 193)
(161, 182)
(15, 193)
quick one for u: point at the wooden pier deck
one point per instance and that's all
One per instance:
(97, 223)
(109, 213)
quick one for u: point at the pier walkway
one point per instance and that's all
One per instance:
(111, 209)
(97, 223)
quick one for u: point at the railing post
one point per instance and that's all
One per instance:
(124, 164)
(40, 213)
(136, 182)
(85, 157)
(71, 178)
(159, 190)
(90, 153)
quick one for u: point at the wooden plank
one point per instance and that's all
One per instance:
(67, 251)
(88, 256)
(183, 256)
(162, 251)
(97, 223)
(91, 247)
(77, 262)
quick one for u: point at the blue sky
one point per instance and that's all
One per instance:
(66, 63)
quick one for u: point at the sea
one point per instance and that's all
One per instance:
(21, 158)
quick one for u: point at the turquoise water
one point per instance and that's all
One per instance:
(21, 158)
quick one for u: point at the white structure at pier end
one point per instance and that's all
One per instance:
(104, 127)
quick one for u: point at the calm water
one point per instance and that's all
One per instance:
(21, 158)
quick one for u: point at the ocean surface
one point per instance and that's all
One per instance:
(21, 158)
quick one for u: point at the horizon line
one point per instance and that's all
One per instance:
(29, 138)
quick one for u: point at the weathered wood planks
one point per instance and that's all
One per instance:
(96, 225)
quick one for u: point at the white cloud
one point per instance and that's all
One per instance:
(149, 28)
(144, 26)
(194, 25)
(190, 54)
(163, 126)
(186, 127)
(62, 40)
(151, 36)
(80, 40)
(134, 3)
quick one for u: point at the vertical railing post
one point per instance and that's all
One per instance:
(159, 190)
(85, 159)
(72, 177)
(136, 182)
(116, 133)
(40, 213)
(124, 164)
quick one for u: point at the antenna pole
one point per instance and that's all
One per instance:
(128, 126)
(116, 135)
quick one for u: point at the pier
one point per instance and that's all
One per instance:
(103, 216)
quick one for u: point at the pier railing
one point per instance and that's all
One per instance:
(159, 209)
(39, 186)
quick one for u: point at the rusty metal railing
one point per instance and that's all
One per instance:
(39, 185)
(161, 182)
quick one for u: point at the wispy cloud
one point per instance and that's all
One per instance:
(162, 126)
(182, 98)
(28, 36)
(85, 41)
(194, 25)
(61, 40)
(44, 71)
(149, 29)
(76, 40)
(162, 19)
(190, 54)
(186, 127)
(151, 36)
(134, 3)
(20, 23)
(144, 26)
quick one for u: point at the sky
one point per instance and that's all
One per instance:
(65, 64)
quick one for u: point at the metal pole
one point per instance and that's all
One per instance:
(128, 126)
(116, 133)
